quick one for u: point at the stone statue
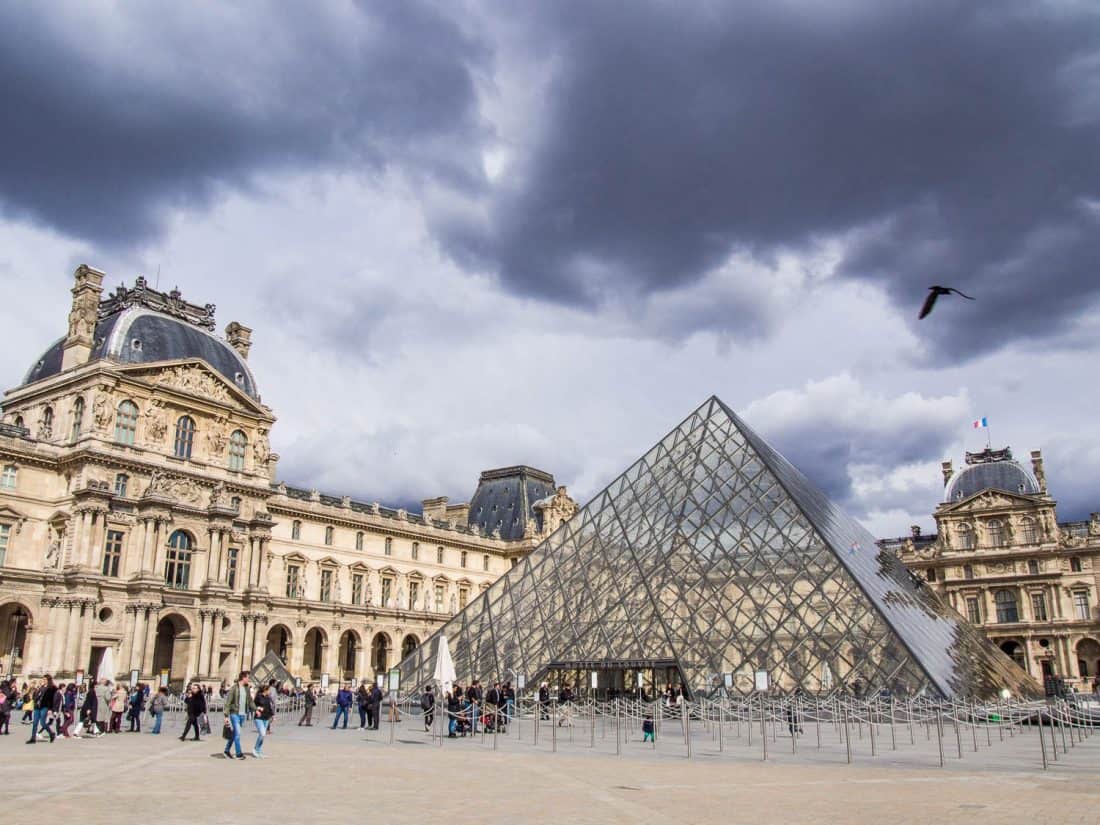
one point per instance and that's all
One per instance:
(101, 411)
(454, 603)
(53, 553)
(217, 437)
(156, 424)
(261, 450)
(336, 590)
(217, 495)
(158, 483)
(369, 596)
(400, 597)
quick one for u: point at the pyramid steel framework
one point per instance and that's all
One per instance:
(714, 553)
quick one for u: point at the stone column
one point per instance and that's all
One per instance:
(252, 571)
(211, 568)
(137, 638)
(203, 660)
(61, 639)
(99, 538)
(150, 640)
(159, 549)
(82, 556)
(246, 643)
(215, 643)
(147, 550)
(261, 575)
(259, 639)
(87, 618)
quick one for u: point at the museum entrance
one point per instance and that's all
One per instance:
(643, 679)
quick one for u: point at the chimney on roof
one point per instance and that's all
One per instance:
(239, 337)
(948, 471)
(1037, 468)
(87, 287)
(914, 531)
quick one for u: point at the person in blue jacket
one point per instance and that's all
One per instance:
(343, 704)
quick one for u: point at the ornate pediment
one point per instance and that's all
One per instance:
(988, 500)
(193, 377)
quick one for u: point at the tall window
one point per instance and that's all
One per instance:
(326, 585)
(122, 481)
(47, 422)
(235, 503)
(966, 537)
(1033, 567)
(185, 436)
(1074, 561)
(1006, 606)
(9, 476)
(296, 530)
(19, 422)
(463, 597)
(929, 574)
(996, 532)
(439, 595)
(415, 550)
(5, 533)
(968, 572)
(359, 540)
(389, 546)
(973, 610)
(1081, 609)
(78, 417)
(485, 563)
(231, 560)
(1028, 533)
(1038, 607)
(293, 573)
(177, 570)
(387, 590)
(439, 555)
(357, 588)
(112, 553)
(238, 444)
(329, 534)
(414, 594)
(462, 559)
(126, 417)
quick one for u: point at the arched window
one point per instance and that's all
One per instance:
(238, 444)
(185, 436)
(47, 422)
(122, 481)
(296, 530)
(1028, 533)
(996, 532)
(19, 422)
(126, 422)
(359, 540)
(329, 534)
(1074, 564)
(177, 569)
(966, 537)
(1006, 606)
(9, 477)
(78, 418)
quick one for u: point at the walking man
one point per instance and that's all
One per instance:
(309, 701)
(158, 706)
(238, 702)
(362, 703)
(196, 707)
(427, 704)
(43, 707)
(376, 705)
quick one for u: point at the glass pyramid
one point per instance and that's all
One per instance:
(712, 552)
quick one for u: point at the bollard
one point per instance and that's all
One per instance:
(939, 736)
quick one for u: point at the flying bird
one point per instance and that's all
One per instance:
(935, 292)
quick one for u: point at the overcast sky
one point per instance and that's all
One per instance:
(472, 234)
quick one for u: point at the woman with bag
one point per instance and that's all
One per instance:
(137, 707)
(118, 707)
(265, 713)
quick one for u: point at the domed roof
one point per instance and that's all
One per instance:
(137, 335)
(990, 474)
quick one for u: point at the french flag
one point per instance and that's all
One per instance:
(981, 423)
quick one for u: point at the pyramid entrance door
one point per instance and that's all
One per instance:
(615, 678)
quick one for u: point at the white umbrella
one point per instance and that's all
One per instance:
(107, 664)
(444, 665)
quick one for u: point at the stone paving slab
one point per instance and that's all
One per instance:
(317, 774)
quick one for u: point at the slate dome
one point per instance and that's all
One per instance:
(136, 334)
(1006, 475)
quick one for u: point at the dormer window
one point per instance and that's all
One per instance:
(135, 345)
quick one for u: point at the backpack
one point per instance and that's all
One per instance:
(427, 701)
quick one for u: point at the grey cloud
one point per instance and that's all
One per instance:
(111, 122)
(956, 142)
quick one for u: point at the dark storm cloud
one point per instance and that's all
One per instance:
(954, 142)
(109, 121)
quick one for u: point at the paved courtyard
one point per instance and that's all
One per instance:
(316, 774)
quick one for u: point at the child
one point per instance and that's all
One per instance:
(647, 729)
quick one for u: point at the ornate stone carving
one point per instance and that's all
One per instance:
(179, 489)
(261, 448)
(196, 380)
(170, 303)
(156, 422)
(216, 437)
(103, 409)
(219, 496)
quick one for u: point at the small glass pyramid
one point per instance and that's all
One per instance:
(712, 553)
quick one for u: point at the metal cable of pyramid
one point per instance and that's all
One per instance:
(713, 560)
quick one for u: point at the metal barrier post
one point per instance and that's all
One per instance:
(763, 727)
(618, 729)
(685, 716)
(847, 734)
(554, 727)
(721, 724)
(939, 735)
(893, 733)
(1042, 742)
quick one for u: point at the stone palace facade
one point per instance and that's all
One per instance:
(141, 527)
(1002, 559)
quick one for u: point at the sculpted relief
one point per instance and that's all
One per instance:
(195, 380)
(179, 489)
